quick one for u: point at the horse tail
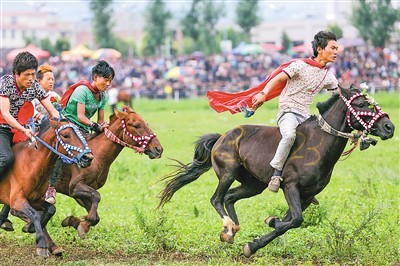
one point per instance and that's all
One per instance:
(187, 173)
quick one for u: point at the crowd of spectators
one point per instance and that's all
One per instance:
(192, 75)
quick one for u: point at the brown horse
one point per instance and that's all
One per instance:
(243, 154)
(127, 129)
(125, 97)
(24, 185)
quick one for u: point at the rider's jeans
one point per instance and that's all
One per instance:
(6, 154)
(287, 122)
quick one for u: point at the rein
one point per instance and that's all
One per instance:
(142, 141)
(67, 147)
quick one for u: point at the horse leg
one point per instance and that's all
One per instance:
(217, 201)
(53, 248)
(245, 190)
(49, 211)
(23, 210)
(4, 222)
(88, 198)
(292, 220)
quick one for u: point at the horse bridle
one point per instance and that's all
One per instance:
(376, 114)
(359, 116)
(67, 147)
(142, 141)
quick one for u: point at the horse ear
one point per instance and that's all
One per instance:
(126, 109)
(120, 114)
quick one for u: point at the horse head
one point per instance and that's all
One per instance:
(364, 113)
(136, 133)
(70, 143)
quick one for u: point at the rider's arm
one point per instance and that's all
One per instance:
(259, 98)
(81, 114)
(49, 107)
(100, 116)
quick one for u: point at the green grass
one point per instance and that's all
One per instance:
(356, 222)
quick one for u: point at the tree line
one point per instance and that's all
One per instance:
(374, 20)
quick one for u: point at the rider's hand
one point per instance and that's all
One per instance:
(258, 100)
(28, 132)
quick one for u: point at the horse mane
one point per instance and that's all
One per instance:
(45, 125)
(325, 106)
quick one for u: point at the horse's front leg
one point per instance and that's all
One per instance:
(88, 198)
(292, 219)
(22, 209)
(4, 222)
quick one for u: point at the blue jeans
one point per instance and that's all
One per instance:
(6, 154)
(287, 122)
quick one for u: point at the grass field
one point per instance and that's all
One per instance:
(356, 223)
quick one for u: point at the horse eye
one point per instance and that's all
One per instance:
(137, 126)
(361, 105)
(65, 135)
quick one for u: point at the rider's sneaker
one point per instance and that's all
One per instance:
(50, 195)
(275, 183)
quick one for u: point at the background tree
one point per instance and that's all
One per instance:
(62, 44)
(191, 21)
(286, 42)
(211, 13)
(247, 15)
(45, 44)
(336, 29)
(102, 24)
(156, 18)
(375, 20)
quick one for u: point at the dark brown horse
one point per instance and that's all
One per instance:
(24, 185)
(127, 129)
(244, 153)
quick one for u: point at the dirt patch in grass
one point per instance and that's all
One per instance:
(14, 253)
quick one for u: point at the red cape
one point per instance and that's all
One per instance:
(24, 113)
(65, 98)
(224, 101)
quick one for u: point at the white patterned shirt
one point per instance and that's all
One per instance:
(304, 82)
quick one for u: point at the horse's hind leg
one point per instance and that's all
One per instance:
(245, 190)
(4, 222)
(217, 200)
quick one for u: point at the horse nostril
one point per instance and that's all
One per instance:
(158, 149)
(388, 127)
(87, 158)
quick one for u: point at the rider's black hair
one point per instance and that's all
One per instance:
(24, 61)
(321, 39)
(103, 69)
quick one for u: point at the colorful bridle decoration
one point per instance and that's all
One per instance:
(359, 115)
(69, 148)
(142, 141)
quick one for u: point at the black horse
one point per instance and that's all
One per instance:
(243, 154)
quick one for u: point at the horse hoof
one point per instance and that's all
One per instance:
(57, 251)
(81, 232)
(224, 237)
(28, 228)
(43, 252)
(270, 221)
(66, 221)
(7, 225)
(247, 251)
